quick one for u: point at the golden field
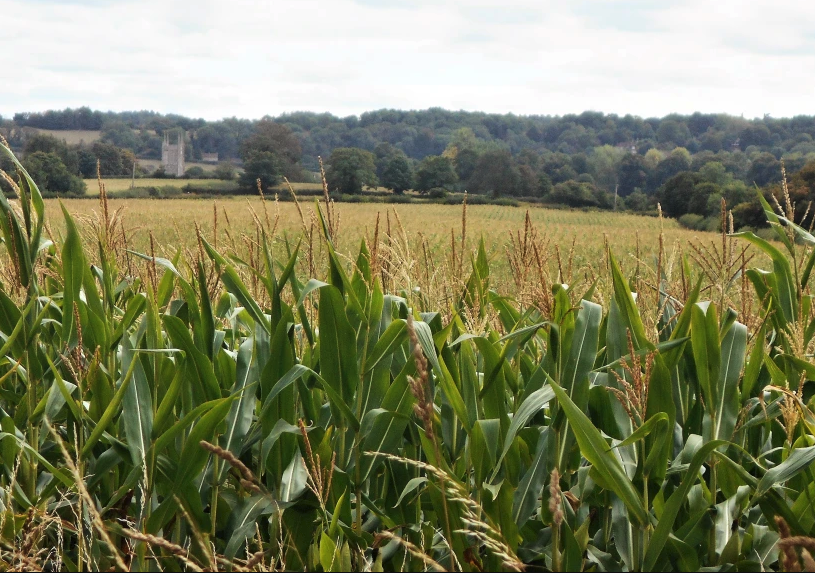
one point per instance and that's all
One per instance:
(72, 136)
(117, 185)
(581, 234)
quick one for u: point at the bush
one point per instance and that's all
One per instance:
(477, 200)
(225, 171)
(505, 202)
(699, 222)
(399, 199)
(437, 193)
(195, 172)
(161, 173)
(691, 221)
(767, 234)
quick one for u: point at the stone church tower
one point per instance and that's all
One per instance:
(172, 155)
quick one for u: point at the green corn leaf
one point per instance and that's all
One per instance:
(525, 498)
(785, 291)
(706, 351)
(653, 424)
(799, 460)
(674, 504)
(199, 367)
(595, 449)
(338, 352)
(242, 411)
(533, 404)
(393, 337)
(110, 411)
(733, 350)
(137, 408)
(73, 269)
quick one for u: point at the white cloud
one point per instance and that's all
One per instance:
(245, 58)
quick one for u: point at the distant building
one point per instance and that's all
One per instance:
(630, 146)
(172, 155)
(209, 157)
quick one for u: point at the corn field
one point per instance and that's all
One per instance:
(229, 411)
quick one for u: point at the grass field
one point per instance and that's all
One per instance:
(153, 164)
(117, 185)
(72, 136)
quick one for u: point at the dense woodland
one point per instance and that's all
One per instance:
(686, 163)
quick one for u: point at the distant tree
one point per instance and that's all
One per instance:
(263, 165)
(673, 131)
(225, 171)
(632, 174)
(749, 213)
(272, 137)
(755, 134)
(675, 163)
(574, 194)
(652, 157)
(705, 199)
(711, 140)
(527, 184)
(121, 135)
(604, 164)
(675, 195)
(805, 178)
(735, 192)
(50, 144)
(465, 162)
(7, 165)
(715, 172)
(113, 161)
(435, 171)
(764, 169)
(495, 174)
(637, 201)
(51, 175)
(545, 185)
(350, 169)
(398, 173)
(382, 155)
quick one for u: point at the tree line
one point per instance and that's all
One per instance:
(686, 163)
(428, 132)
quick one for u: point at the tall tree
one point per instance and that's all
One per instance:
(764, 169)
(494, 173)
(632, 174)
(435, 171)
(262, 165)
(51, 175)
(398, 174)
(50, 144)
(277, 139)
(349, 169)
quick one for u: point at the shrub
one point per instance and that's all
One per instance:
(195, 172)
(691, 221)
(399, 199)
(505, 202)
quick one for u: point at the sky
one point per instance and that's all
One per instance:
(244, 58)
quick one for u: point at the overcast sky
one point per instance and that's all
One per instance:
(218, 58)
